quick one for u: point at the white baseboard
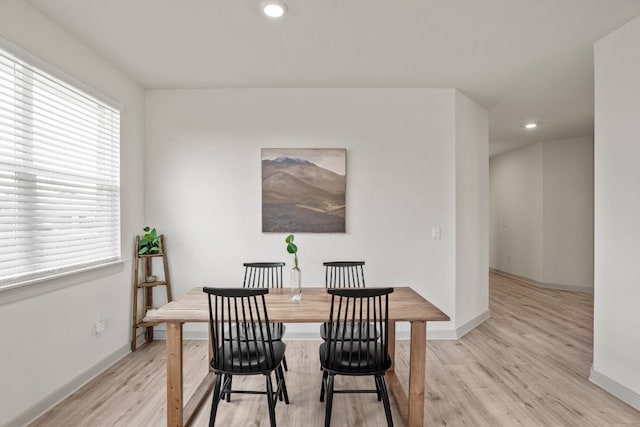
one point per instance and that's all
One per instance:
(556, 286)
(459, 332)
(63, 392)
(472, 324)
(613, 387)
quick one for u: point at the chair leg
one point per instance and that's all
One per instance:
(385, 399)
(283, 391)
(284, 363)
(278, 386)
(327, 416)
(323, 385)
(227, 386)
(271, 401)
(215, 400)
(378, 389)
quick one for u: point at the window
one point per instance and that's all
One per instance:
(59, 176)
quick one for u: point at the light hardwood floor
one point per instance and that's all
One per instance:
(526, 366)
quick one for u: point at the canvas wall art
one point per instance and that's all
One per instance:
(304, 190)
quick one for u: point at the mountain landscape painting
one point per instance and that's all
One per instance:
(303, 190)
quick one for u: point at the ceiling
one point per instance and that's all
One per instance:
(521, 59)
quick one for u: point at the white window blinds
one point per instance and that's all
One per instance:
(59, 176)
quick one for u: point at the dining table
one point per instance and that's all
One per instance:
(405, 305)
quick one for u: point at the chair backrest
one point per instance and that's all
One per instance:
(262, 274)
(237, 324)
(344, 274)
(356, 314)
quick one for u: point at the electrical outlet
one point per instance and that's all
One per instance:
(436, 232)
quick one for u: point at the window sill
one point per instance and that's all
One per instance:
(41, 285)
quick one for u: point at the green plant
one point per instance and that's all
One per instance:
(150, 242)
(292, 249)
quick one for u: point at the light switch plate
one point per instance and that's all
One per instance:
(98, 327)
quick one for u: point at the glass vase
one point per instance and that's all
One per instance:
(296, 284)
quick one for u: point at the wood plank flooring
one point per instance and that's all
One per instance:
(526, 366)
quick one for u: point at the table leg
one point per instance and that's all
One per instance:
(174, 374)
(391, 344)
(417, 359)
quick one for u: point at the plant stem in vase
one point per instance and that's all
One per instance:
(296, 284)
(296, 273)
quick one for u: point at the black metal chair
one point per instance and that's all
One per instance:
(345, 353)
(252, 353)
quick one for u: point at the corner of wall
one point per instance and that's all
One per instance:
(460, 331)
(472, 213)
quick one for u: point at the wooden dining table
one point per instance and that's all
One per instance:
(405, 305)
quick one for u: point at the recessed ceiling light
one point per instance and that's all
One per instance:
(531, 125)
(274, 8)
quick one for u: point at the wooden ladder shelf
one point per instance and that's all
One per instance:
(140, 285)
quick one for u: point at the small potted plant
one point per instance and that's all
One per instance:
(149, 244)
(296, 273)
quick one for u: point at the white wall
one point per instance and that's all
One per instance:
(203, 182)
(542, 213)
(567, 212)
(515, 181)
(472, 213)
(616, 355)
(47, 340)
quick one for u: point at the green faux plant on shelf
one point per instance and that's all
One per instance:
(292, 249)
(149, 244)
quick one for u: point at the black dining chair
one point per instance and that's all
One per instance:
(260, 275)
(252, 352)
(263, 274)
(266, 275)
(347, 352)
(344, 274)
